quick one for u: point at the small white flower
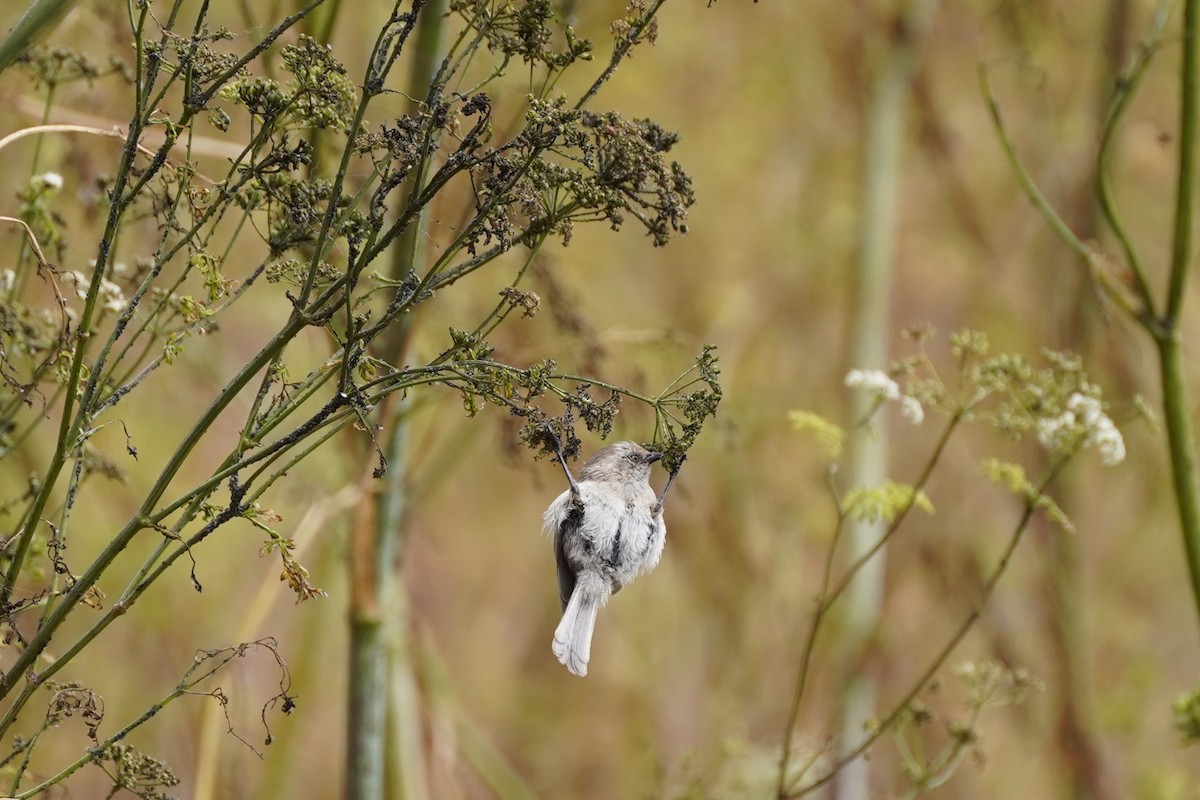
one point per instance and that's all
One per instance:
(1111, 446)
(880, 384)
(111, 294)
(1084, 418)
(1089, 407)
(48, 180)
(80, 281)
(1102, 433)
(1051, 430)
(910, 409)
(875, 381)
(7, 279)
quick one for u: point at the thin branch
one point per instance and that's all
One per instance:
(828, 597)
(620, 50)
(1127, 85)
(1185, 192)
(989, 587)
(1093, 260)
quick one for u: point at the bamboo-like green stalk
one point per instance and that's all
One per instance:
(405, 773)
(384, 750)
(868, 454)
(38, 19)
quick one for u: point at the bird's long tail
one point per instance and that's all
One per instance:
(573, 637)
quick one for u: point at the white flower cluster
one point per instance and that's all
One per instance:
(910, 409)
(8, 279)
(878, 383)
(111, 296)
(1084, 417)
(48, 180)
(874, 381)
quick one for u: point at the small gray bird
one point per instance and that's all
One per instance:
(607, 527)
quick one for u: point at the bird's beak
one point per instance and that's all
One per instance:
(650, 459)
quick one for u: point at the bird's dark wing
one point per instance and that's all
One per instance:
(566, 571)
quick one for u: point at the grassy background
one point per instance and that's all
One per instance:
(692, 668)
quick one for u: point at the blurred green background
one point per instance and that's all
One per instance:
(692, 667)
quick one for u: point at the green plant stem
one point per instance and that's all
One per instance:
(868, 451)
(829, 596)
(91, 754)
(1095, 264)
(620, 50)
(37, 644)
(928, 776)
(989, 588)
(39, 17)
(1176, 403)
(1164, 329)
(375, 647)
(388, 40)
(1180, 440)
(1057, 224)
(200, 671)
(1127, 84)
(71, 422)
(404, 775)
(152, 568)
(376, 728)
(1185, 192)
(366, 719)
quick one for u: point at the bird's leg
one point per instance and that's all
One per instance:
(563, 461)
(662, 497)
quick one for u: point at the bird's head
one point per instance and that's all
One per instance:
(623, 461)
